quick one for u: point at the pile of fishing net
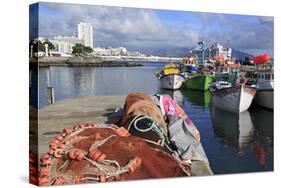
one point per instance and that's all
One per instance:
(102, 153)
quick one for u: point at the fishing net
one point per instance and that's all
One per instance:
(101, 153)
(141, 104)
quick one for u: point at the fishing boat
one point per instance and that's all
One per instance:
(199, 82)
(235, 99)
(229, 94)
(265, 81)
(170, 77)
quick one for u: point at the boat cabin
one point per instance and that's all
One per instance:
(171, 69)
(265, 79)
(228, 68)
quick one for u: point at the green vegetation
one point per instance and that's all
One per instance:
(39, 46)
(81, 50)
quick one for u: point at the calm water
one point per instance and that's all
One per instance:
(233, 143)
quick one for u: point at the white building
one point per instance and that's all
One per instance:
(218, 50)
(85, 33)
(110, 51)
(64, 44)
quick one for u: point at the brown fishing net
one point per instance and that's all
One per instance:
(100, 153)
(141, 104)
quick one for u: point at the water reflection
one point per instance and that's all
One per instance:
(247, 134)
(176, 95)
(200, 98)
(236, 130)
(89, 81)
(263, 146)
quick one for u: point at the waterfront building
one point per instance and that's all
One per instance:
(133, 53)
(64, 44)
(110, 51)
(218, 50)
(85, 33)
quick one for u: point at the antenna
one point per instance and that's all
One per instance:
(228, 43)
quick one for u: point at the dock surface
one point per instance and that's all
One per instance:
(68, 112)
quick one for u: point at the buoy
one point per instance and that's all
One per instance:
(135, 164)
(76, 128)
(80, 156)
(51, 151)
(73, 153)
(94, 154)
(58, 153)
(32, 170)
(60, 145)
(44, 157)
(102, 178)
(67, 131)
(81, 126)
(44, 181)
(44, 172)
(53, 146)
(121, 131)
(59, 138)
(46, 162)
(101, 158)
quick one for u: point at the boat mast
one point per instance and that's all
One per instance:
(202, 47)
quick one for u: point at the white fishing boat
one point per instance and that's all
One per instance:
(265, 88)
(235, 99)
(228, 93)
(265, 81)
(171, 81)
(170, 77)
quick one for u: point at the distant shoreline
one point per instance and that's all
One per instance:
(79, 62)
(101, 61)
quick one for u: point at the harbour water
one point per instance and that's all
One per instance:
(233, 143)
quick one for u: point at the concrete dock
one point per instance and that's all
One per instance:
(68, 112)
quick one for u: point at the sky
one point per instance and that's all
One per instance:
(152, 30)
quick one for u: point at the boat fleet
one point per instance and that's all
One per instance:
(232, 88)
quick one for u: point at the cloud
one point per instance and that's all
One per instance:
(251, 36)
(142, 29)
(266, 19)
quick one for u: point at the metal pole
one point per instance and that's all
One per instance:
(50, 95)
(50, 90)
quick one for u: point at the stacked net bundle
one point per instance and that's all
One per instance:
(141, 104)
(101, 153)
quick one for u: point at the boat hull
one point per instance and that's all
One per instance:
(264, 98)
(201, 83)
(171, 81)
(235, 99)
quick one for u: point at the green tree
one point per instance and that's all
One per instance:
(39, 46)
(81, 50)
